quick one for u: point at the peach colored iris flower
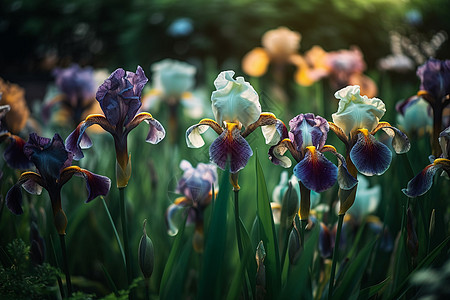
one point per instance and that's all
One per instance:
(14, 96)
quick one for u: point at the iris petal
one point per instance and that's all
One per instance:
(96, 185)
(316, 172)
(156, 132)
(345, 180)
(423, 181)
(14, 199)
(276, 155)
(230, 146)
(14, 155)
(369, 156)
(193, 135)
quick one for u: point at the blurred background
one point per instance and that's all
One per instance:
(39, 35)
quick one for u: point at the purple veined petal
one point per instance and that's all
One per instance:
(345, 180)
(112, 82)
(423, 181)
(308, 130)
(156, 132)
(78, 140)
(315, 171)
(138, 80)
(14, 155)
(230, 146)
(96, 185)
(370, 156)
(14, 199)
(49, 157)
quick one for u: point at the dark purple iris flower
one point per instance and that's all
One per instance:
(120, 99)
(435, 78)
(53, 165)
(306, 142)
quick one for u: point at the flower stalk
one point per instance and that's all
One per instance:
(65, 264)
(123, 218)
(335, 255)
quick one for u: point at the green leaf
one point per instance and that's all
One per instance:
(215, 245)
(426, 262)
(173, 257)
(267, 234)
(371, 291)
(114, 229)
(351, 278)
(299, 277)
(110, 281)
(249, 254)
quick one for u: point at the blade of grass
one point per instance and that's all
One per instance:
(116, 234)
(110, 281)
(371, 291)
(267, 234)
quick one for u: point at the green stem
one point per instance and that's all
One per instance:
(115, 231)
(335, 255)
(65, 264)
(238, 235)
(123, 217)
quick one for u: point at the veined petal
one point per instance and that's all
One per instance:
(193, 133)
(235, 100)
(14, 155)
(276, 153)
(345, 180)
(96, 185)
(230, 145)
(423, 181)
(315, 171)
(370, 156)
(79, 140)
(255, 62)
(156, 132)
(400, 141)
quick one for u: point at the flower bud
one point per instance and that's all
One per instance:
(146, 255)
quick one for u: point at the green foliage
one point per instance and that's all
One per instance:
(20, 279)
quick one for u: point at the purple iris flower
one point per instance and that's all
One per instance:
(435, 78)
(53, 165)
(195, 186)
(306, 142)
(423, 181)
(120, 99)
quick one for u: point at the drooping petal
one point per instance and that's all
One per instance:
(156, 131)
(276, 153)
(230, 145)
(79, 140)
(14, 155)
(14, 199)
(400, 141)
(423, 181)
(235, 100)
(172, 228)
(255, 62)
(274, 133)
(370, 156)
(315, 171)
(444, 142)
(345, 180)
(265, 119)
(193, 133)
(49, 156)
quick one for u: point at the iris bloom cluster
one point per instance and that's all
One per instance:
(236, 108)
(195, 186)
(423, 181)
(53, 169)
(120, 100)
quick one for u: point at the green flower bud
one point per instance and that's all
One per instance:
(146, 254)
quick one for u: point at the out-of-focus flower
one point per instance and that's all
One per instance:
(13, 154)
(119, 97)
(367, 199)
(76, 95)
(195, 186)
(346, 67)
(311, 67)
(235, 105)
(423, 181)
(278, 46)
(355, 123)
(14, 96)
(396, 62)
(306, 142)
(414, 115)
(53, 165)
(180, 27)
(435, 89)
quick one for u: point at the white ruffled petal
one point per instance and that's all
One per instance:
(193, 135)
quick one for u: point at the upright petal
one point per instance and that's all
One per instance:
(315, 171)
(308, 130)
(230, 146)
(235, 100)
(138, 80)
(370, 156)
(173, 77)
(435, 78)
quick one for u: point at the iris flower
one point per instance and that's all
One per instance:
(435, 89)
(306, 143)
(54, 169)
(237, 111)
(414, 115)
(195, 186)
(423, 181)
(356, 122)
(76, 97)
(119, 97)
